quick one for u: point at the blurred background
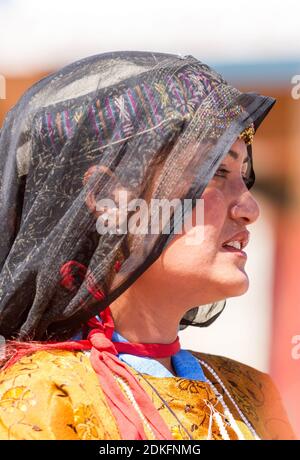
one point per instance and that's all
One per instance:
(255, 45)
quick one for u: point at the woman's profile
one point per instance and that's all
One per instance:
(126, 207)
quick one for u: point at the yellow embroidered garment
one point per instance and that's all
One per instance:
(56, 395)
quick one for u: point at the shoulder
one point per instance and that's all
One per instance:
(253, 391)
(231, 368)
(53, 395)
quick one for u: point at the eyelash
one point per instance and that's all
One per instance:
(225, 171)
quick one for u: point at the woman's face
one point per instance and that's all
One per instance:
(210, 271)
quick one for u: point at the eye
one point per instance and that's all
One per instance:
(246, 173)
(223, 172)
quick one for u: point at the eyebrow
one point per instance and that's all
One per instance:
(236, 155)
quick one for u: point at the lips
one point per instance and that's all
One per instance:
(237, 243)
(241, 237)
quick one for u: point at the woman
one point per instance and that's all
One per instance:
(91, 299)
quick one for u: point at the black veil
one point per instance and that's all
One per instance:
(136, 121)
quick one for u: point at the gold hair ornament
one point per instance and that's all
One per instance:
(247, 134)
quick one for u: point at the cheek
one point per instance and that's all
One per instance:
(181, 255)
(215, 212)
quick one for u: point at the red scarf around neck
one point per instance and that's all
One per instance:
(109, 369)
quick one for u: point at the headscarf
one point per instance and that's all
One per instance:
(144, 122)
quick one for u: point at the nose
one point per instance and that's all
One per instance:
(246, 209)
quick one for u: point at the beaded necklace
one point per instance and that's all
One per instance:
(221, 399)
(221, 419)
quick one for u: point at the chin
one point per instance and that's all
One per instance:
(235, 285)
(239, 288)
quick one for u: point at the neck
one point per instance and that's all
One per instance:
(145, 321)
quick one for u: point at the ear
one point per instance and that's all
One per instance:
(90, 199)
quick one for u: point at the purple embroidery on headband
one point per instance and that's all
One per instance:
(67, 123)
(92, 118)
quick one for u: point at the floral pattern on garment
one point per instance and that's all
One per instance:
(57, 395)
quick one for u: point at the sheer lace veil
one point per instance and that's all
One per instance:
(99, 125)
